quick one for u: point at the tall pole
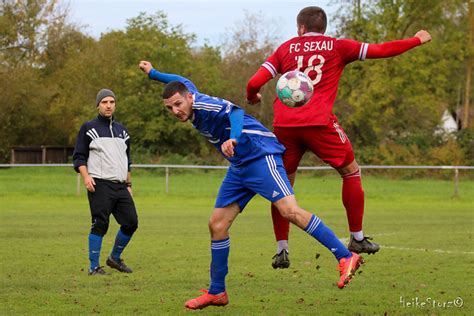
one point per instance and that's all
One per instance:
(167, 179)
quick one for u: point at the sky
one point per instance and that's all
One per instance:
(210, 20)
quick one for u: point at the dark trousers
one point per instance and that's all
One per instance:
(112, 198)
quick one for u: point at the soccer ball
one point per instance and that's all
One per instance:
(294, 88)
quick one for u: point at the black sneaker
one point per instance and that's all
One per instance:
(121, 266)
(281, 260)
(363, 246)
(98, 271)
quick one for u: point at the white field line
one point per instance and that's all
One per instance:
(455, 252)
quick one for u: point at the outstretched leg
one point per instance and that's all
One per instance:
(311, 224)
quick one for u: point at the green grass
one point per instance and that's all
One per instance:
(427, 234)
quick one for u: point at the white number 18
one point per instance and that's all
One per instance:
(311, 66)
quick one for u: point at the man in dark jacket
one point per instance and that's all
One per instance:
(102, 157)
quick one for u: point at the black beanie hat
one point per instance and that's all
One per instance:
(102, 94)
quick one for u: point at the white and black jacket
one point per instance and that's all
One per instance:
(103, 145)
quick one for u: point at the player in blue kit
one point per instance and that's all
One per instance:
(256, 167)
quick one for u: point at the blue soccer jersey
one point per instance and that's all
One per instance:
(211, 119)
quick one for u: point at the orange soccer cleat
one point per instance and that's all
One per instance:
(207, 299)
(347, 268)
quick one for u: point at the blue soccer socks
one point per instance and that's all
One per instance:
(95, 243)
(121, 241)
(325, 236)
(220, 255)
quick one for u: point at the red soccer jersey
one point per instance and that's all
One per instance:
(323, 59)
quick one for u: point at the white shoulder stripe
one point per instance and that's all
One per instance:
(206, 109)
(363, 51)
(257, 132)
(95, 132)
(209, 104)
(92, 133)
(270, 68)
(198, 106)
(89, 133)
(251, 131)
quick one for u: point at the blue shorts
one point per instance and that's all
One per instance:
(265, 176)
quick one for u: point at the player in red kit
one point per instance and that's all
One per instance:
(314, 126)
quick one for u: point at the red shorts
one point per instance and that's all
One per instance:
(329, 143)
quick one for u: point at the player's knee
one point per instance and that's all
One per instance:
(289, 212)
(217, 227)
(129, 229)
(99, 227)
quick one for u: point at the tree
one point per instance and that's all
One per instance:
(252, 40)
(30, 29)
(400, 100)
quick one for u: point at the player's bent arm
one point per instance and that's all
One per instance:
(392, 48)
(258, 80)
(236, 118)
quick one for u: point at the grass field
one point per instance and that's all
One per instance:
(426, 235)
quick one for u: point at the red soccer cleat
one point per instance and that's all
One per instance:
(207, 299)
(347, 268)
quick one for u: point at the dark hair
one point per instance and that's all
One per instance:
(174, 87)
(314, 18)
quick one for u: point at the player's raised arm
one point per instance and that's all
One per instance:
(154, 74)
(394, 48)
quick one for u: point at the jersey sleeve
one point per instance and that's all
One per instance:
(269, 69)
(236, 118)
(272, 64)
(351, 50)
(258, 80)
(81, 150)
(392, 48)
(166, 78)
